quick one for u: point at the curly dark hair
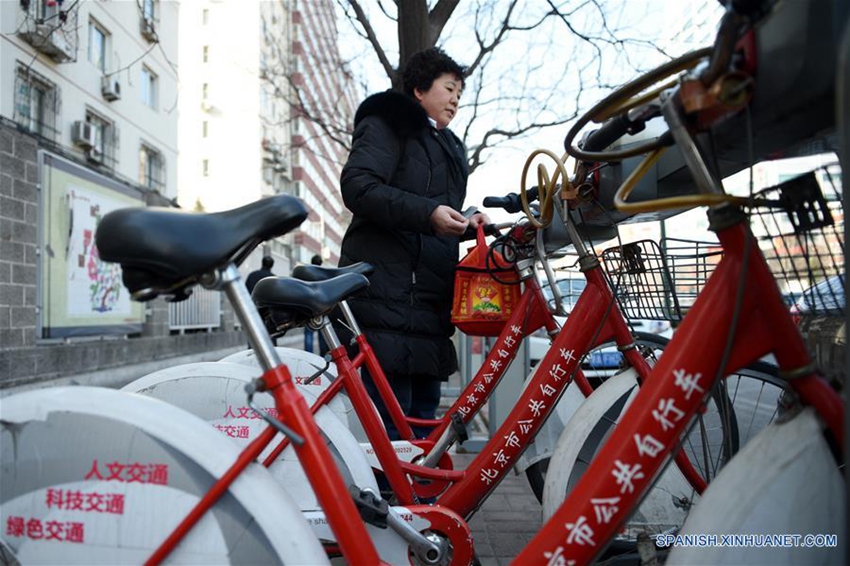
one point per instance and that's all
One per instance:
(425, 66)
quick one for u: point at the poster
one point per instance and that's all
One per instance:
(81, 295)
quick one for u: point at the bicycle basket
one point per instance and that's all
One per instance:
(799, 225)
(660, 282)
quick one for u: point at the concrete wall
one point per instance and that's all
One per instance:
(23, 358)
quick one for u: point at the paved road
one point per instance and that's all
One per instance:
(509, 518)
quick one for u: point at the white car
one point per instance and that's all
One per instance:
(603, 360)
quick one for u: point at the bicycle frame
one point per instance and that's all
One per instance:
(530, 314)
(597, 321)
(580, 333)
(310, 447)
(742, 298)
(635, 453)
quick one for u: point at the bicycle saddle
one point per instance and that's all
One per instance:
(164, 251)
(319, 273)
(302, 299)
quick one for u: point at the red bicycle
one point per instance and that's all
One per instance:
(737, 318)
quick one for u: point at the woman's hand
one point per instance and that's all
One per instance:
(447, 221)
(478, 219)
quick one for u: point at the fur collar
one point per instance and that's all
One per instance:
(403, 114)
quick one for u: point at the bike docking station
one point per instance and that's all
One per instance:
(275, 455)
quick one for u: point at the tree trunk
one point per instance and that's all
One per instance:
(413, 33)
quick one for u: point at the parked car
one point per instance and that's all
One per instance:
(819, 313)
(605, 359)
(826, 298)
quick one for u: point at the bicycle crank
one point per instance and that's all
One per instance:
(449, 531)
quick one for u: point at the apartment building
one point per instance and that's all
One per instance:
(88, 124)
(261, 88)
(96, 81)
(325, 106)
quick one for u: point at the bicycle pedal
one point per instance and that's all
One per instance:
(459, 428)
(371, 507)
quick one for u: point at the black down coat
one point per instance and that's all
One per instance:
(399, 170)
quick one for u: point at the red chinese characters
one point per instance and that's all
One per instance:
(247, 413)
(72, 500)
(234, 431)
(36, 529)
(134, 472)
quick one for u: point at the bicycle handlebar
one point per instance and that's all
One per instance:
(612, 130)
(511, 202)
(489, 230)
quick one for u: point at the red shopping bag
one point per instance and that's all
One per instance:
(482, 304)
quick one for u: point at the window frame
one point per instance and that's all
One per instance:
(41, 94)
(95, 26)
(149, 9)
(149, 88)
(105, 137)
(151, 168)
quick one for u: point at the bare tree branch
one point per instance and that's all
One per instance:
(385, 12)
(512, 88)
(373, 39)
(438, 18)
(485, 50)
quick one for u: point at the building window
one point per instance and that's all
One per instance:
(205, 167)
(149, 87)
(205, 16)
(36, 103)
(206, 53)
(151, 169)
(105, 139)
(98, 38)
(205, 128)
(149, 9)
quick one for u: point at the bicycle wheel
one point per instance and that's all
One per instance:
(97, 476)
(600, 364)
(214, 391)
(752, 393)
(743, 404)
(303, 365)
(786, 480)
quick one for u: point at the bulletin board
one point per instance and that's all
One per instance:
(80, 295)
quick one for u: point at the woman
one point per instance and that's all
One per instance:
(405, 182)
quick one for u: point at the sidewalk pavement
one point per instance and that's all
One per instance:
(506, 521)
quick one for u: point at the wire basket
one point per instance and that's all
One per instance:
(660, 281)
(799, 225)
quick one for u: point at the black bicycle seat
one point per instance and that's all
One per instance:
(300, 299)
(164, 251)
(319, 273)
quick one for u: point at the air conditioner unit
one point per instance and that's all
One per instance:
(272, 150)
(110, 88)
(51, 41)
(148, 29)
(83, 134)
(95, 155)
